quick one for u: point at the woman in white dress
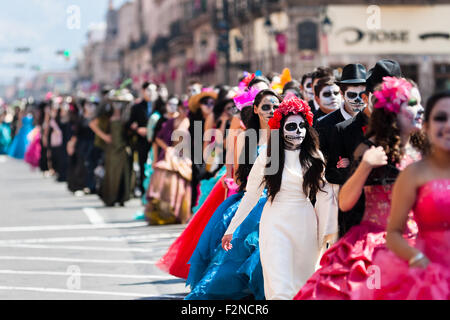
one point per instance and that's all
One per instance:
(293, 233)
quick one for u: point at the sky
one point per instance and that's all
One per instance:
(45, 26)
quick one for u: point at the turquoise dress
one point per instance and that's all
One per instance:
(216, 274)
(148, 170)
(206, 187)
(154, 118)
(5, 137)
(20, 142)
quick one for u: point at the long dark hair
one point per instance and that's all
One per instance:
(248, 154)
(384, 127)
(313, 164)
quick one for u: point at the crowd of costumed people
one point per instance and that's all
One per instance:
(332, 186)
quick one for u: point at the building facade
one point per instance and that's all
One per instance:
(214, 41)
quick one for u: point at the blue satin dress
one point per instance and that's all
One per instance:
(216, 274)
(20, 142)
(5, 137)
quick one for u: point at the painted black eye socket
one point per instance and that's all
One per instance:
(268, 107)
(328, 94)
(353, 95)
(292, 126)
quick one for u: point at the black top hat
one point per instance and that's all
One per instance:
(354, 73)
(383, 68)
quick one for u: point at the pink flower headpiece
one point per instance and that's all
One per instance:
(394, 92)
(245, 98)
(292, 105)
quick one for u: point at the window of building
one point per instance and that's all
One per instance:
(410, 71)
(442, 77)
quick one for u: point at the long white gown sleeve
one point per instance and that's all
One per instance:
(254, 190)
(326, 208)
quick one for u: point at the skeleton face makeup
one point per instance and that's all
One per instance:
(195, 89)
(353, 99)
(260, 85)
(308, 91)
(151, 93)
(411, 113)
(231, 109)
(267, 107)
(163, 93)
(330, 98)
(294, 132)
(172, 105)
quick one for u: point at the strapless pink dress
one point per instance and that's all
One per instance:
(400, 282)
(345, 266)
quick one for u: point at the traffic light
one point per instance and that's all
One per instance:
(65, 53)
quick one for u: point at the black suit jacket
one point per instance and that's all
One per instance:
(139, 114)
(345, 138)
(317, 115)
(324, 127)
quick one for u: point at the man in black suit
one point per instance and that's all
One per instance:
(353, 88)
(137, 128)
(347, 135)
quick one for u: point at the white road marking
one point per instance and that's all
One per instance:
(94, 217)
(3, 159)
(78, 248)
(154, 237)
(100, 275)
(74, 227)
(76, 260)
(55, 290)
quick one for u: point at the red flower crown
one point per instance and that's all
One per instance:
(292, 105)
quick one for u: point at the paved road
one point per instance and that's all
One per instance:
(54, 245)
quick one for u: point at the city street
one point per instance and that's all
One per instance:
(54, 245)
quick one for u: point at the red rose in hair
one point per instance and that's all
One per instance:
(292, 105)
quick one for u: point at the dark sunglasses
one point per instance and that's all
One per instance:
(327, 94)
(268, 107)
(292, 126)
(353, 95)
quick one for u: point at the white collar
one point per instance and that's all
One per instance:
(316, 105)
(345, 114)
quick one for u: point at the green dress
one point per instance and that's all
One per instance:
(116, 183)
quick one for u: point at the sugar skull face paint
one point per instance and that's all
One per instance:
(267, 107)
(410, 116)
(308, 91)
(195, 89)
(353, 99)
(330, 98)
(152, 92)
(172, 105)
(294, 132)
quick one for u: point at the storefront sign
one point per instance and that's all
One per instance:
(399, 30)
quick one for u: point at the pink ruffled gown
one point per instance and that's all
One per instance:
(345, 267)
(400, 282)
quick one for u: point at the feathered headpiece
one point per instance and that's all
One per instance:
(284, 78)
(394, 92)
(245, 98)
(292, 105)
